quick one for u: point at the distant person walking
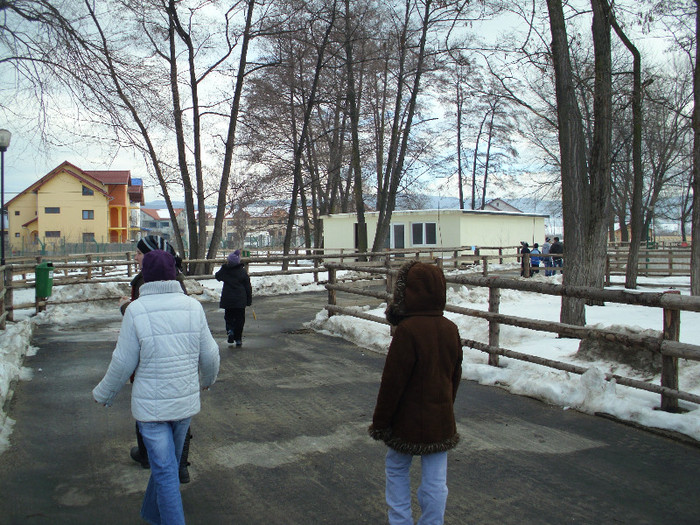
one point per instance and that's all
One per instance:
(165, 342)
(236, 294)
(414, 414)
(546, 245)
(557, 248)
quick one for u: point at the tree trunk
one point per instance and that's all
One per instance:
(695, 245)
(354, 128)
(638, 176)
(231, 135)
(585, 202)
(299, 150)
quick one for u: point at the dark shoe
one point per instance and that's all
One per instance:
(136, 456)
(239, 343)
(184, 474)
(230, 338)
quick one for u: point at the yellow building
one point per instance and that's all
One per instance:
(70, 205)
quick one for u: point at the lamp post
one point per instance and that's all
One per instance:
(5, 137)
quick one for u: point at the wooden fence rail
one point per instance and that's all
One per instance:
(120, 268)
(666, 345)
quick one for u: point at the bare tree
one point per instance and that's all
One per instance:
(585, 193)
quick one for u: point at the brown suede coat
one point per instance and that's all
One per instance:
(415, 405)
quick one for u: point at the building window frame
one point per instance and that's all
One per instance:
(88, 215)
(52, 234)
(52, 209)
(424, 233)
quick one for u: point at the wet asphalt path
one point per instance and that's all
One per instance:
(281, 439)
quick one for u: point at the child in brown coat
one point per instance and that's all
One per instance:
(414, 414)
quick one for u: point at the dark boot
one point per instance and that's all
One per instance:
(184, 473)
(139, 453)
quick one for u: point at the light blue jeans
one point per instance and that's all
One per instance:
(432, 492)
(162, 503)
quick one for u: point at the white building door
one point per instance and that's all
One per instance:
(398, 236)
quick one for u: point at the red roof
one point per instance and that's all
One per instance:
(111, 177)
(161, 214)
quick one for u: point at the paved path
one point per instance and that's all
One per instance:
(281, 440)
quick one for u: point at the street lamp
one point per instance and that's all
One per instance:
(5, 137)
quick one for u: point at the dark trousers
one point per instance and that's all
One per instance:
(235, 321)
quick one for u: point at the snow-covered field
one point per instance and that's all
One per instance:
(589, 393)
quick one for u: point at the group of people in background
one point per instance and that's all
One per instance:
(550, 253)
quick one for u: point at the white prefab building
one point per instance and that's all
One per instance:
(438, 229)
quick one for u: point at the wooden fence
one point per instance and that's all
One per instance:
(121, 267)
(652, 262)
(667, 346)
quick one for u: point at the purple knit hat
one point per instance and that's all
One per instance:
(235, 257)
(158, 266)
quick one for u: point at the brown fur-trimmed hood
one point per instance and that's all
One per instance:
(419, 290)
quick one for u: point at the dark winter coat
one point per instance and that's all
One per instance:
(237, 292)
(414, 413)
(557, 247)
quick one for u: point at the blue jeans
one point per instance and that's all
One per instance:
(162, 503)
(432, 492)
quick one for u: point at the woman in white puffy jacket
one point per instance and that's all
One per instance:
(165, 340)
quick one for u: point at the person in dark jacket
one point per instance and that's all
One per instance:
(525, 248)
(143, 246)
(558, 248)
(236, 294)
(414, 414)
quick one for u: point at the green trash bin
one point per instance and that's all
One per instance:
(44, 279)
(245, 253)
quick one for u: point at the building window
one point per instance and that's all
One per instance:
(52, 210)
(52, 234)
(16, 212)
(88, 237)
(17, 234)
(424, 233)
(87, 191)
(88, 215)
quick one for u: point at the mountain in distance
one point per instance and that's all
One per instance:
(430, 202)
(524, 204)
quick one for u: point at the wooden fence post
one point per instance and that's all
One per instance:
(439, 262)
(527, 269)
(129, 270)
(331, 293)
(485, 266)
(89, 268)
(669, 364)
(607, 269)
(494, 327)
(456, 258)
(389, 277)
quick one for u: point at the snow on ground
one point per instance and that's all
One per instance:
(589, 393)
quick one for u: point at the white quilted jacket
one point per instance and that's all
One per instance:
(165, 338)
